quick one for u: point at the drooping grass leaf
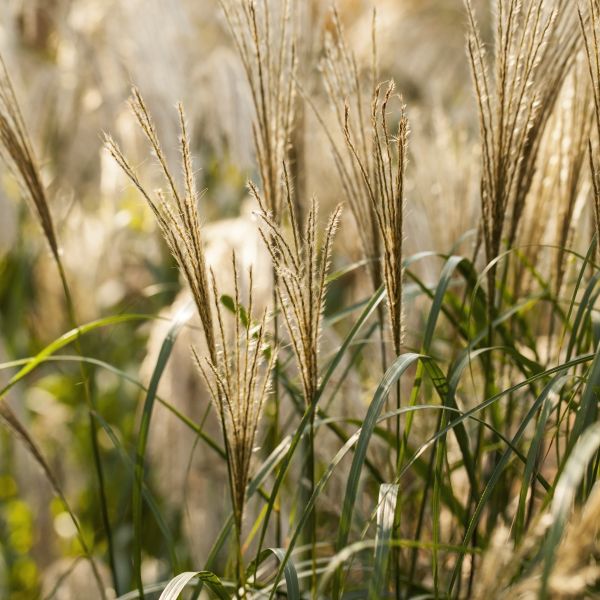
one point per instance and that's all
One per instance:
(289, 570)
(65, 340)
(179, 320)
(400, 365)
(181, 581)
(388, 498)
(310, 411)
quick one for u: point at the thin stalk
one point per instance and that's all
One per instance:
(420, 521)
(241, 571)
(93, 430)
(313, 516)
(309, 536)
(276, 401)
(400, 443)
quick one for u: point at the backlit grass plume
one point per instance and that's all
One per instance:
(340, 73)
(534, 47)
(18, 155)
(176, 211)
(383, 185)
(237, 376)
(238, 380)
(301, 262)
(266, 43)
(576, 119)
(301, 266)
(560, 187)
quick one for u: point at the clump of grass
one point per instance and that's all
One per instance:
(265, 36)
(176, 213)
(301, 263)
(516, 448)
(238, 380)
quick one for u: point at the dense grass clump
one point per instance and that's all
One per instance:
(373, 421)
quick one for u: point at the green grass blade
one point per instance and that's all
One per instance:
(289, 570)
(146, 493)
(268, 466)
(179, 320)
(14, 425)
(587, 261)
(498, 469)
(388, 499)
(535, 448)
(400, 365)
(66, 339)
(564, 496)
(377, 298)
(333, 463)
(588, 406)
(179, 583)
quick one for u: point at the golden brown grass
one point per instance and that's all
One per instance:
(384, 186)
(301, 265)
(534, 47)
(176, 212)
(239, 383)
(267, 48)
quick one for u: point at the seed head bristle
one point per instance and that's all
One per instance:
(268, 54)
(238, 379)
(533, 51)
(17, 153)
(176, 211)
(344, 89)
(302, 266)
(383, 182)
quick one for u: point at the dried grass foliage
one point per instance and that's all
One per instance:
(575, 572)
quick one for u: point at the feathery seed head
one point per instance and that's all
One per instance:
(176, 210)
(302, 264)
(17, 153)
(238, 379)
